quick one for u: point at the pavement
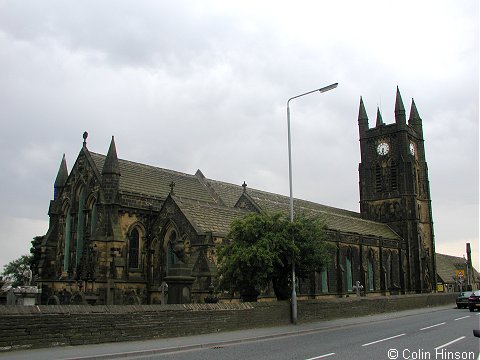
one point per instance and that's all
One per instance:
(118, 350)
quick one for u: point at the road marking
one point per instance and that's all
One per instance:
(432, 326)
(460, 318)
(321, 356)
(449, 343)
(391, 337)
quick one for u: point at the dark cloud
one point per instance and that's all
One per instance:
(186, 86)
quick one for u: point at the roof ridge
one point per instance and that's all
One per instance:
(336, 214)
(150, 166)
(284, 196)
(204, 203)
(450, 256)
(353, 213)
(203, 180)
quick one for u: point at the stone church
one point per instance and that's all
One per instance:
(128, 233)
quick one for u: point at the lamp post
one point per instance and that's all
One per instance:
(466, 272)
(321, 90)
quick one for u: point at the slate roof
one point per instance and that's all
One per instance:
(334, 218)
(209, 218)
(446, 266)
(153, 181)
(194, 194)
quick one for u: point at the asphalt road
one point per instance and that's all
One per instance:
(439, 333)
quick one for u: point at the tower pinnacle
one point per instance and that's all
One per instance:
(62, 174)
(414, 116)
(111, 165)
(414, 121)
(362, 118)
(379, 118)
(400, 117)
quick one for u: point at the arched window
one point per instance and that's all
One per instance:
(390, 268)
(133, 248)
(378, 178)
(68, 236)
(393, 176)
(93, 218)
(171, 257)
(324, 279)
(371, 281)
(80, 225)
(170, 241)
(349, 270)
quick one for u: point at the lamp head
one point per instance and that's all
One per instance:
(328, 88)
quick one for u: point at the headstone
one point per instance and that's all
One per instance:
(26, 295)
(358, 287)
(164, 295)
(11, 298)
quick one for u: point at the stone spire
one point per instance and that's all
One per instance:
(414, 116)
(110, 166)
(414, 121)
(61, 178)
(62, 174)
(379, 118)
(362, 118)
(400, 117)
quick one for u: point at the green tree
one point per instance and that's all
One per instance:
(14, 269)
(311, 251)
(260, 250)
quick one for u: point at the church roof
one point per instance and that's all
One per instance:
(155, 182)
(334, 218)
(209, 204)
(206, 217)
(447, 266)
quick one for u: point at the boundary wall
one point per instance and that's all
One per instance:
(24, 327)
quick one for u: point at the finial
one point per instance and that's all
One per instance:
(172, 185)
(244, 185)
(85, 136)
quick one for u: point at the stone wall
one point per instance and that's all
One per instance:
(23, 327)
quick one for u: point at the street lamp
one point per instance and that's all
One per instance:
(466, 273)
(294, 292)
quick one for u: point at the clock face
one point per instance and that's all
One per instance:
(412, 148)
(383, 148)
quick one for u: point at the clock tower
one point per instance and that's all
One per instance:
(394, 189)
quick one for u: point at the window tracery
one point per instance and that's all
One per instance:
(134, 248)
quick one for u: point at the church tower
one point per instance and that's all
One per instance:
(394, 189)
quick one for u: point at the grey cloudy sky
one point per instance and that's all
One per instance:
(203, 84)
